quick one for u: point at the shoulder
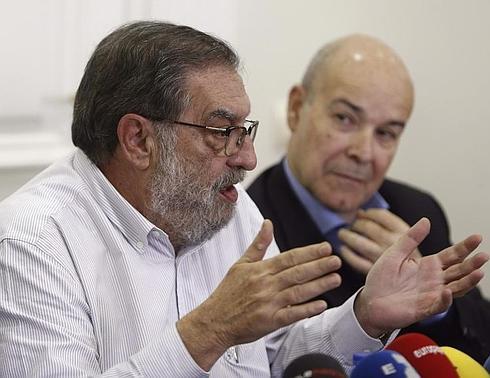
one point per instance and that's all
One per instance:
(395, 188)
(402, 195)
(270, 190)
(26, 214)
(262, 183)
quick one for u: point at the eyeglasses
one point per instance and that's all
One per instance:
(230, 138)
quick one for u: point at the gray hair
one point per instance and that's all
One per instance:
(141, 68)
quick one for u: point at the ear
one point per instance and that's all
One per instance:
(297, 98)
(137, 140)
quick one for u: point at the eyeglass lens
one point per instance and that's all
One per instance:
(237, 136)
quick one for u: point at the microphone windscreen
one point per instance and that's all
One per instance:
(466, 367)
(385, 363)
(487, 364)
(357, 357)
(424, 355)
(315, 365)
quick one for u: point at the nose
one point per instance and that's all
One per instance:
(245, 157)
(361, 147)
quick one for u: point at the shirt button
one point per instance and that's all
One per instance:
(140, 245)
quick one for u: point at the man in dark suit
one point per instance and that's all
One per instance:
(346, 119)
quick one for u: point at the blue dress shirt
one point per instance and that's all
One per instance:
(327, 221)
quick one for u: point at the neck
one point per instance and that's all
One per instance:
(176, 241)
(129, 182)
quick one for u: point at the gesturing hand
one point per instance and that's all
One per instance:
(372, 232)
(401, 290)
(259, 296)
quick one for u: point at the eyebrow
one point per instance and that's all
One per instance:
(361, 112)
(222, 113)
(355, 108)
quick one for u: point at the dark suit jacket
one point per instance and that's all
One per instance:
(467, 325)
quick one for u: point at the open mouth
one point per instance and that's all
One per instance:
(229, 193)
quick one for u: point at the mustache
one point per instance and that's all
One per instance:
(229, 178)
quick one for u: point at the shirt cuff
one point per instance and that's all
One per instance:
(348, 335)
(434, 318)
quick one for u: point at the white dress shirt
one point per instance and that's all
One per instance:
(89, 287)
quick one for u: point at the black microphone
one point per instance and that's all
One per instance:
(314, 365)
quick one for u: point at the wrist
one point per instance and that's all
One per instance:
(363, 315)
(202, 342)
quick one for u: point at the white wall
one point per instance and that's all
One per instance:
(444, 43)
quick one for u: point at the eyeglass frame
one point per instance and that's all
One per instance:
(226, 131)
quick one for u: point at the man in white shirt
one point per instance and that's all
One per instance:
(141, 255)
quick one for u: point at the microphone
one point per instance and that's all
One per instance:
(357, 357)
(314, 365)
(424, 355)
(385, 363)
(466, 367)
(487, 364)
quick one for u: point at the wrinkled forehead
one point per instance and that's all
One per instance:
(216, 90)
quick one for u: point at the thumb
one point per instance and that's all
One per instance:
(257, 249)
(411, 239)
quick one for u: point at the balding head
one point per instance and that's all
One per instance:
(357, 54)
(346, 119)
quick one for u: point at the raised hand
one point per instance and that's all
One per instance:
(372, 232)
(401, 290)
(259, 296)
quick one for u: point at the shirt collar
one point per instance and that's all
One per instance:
(132, 224)
(325, 219)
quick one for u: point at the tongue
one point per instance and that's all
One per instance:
(230, 193)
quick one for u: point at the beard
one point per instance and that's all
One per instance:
(191, 209)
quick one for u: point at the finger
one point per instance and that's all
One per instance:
(288, 315)
(308, 271)
(354, 260)
(302, 293)
(458, 252)
(460, 270)
(462, 286)
(375, 232)
(411, 239)
(257, 249)
(385, 218)
(360, 244)
(298, 256)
